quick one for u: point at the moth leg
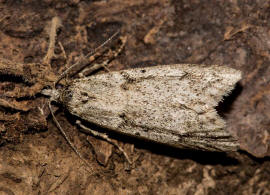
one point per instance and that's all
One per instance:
(112, 55)
(105, 137)
(66, 137)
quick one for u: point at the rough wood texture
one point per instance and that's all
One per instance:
(232, 33)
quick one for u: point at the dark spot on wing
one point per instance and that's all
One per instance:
(122, 115)
(127, 77)
(84, 93)
(84, 101)
(124, 86)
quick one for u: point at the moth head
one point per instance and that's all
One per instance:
(54, 94)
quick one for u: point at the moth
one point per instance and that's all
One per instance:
(169, 104)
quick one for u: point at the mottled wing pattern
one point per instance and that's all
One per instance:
(171, 104)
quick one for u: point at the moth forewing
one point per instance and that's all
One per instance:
(170, 104)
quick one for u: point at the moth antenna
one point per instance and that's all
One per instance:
(103, 44)
(87, 56)
(66, 137)
(104, 64)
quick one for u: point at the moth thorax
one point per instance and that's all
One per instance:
(65, 96)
